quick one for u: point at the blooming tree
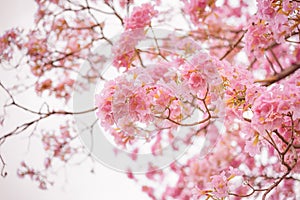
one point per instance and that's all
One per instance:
(223, 72)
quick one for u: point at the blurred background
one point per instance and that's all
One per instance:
(74, 182)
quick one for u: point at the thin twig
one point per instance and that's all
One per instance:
(233, 46)
(3, 172)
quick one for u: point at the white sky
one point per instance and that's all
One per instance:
(81, 184)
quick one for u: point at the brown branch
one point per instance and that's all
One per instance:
(26, 125)
(195, 123)
(233, 46)
(156, 44)
(137, 51)
(115, 12)
(280, 136)
(59, 112)
(276, 59)
(283, 162)
(271, 64)
(3, 172)
(277, 77)
(282, 154)
(253, 190)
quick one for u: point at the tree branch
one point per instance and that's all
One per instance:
(279, 76)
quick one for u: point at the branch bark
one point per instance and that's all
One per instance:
(279, 76)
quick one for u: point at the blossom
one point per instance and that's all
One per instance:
(104, 104)
(280, 26)
(135, 100)
(124, 49)
(63, 88)
(196, 81)
(219, 183)
(258, 37)
(265, 113)
(271, 23)
(195, 8)
(7, 41)
(271, 108)
(44, 85)
(139, 105)
(140, 17)
(266, 10)
(123, 3)
(252, 147)
(183, 91)
(36, 46)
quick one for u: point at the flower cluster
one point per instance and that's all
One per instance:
(140, 17)
(271, 108)
(35, 175)
(7, 43)
(196, 8)
(58, 146)
(135, 99)
(56, 63)
(104, 104)
(273, 21)
(62, 89)
(143, 101)
(259, 36)
(203, 178)
(168, 92)
(124, 49)
(123, 3)
(201, 72)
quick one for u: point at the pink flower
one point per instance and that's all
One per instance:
(266, 9)
(290, 6)
(195, 8)
(139, 105)
(44, 85)
(234, 171)
(104, 104)
(149, 191)
(280, 27)
(7, 41)
(253, 92)
(196, 81)
(219, 183)
(47, 162)
(252, 147)
(124, 49)
(36, 46)
(258, 37)
(140, 17)
(265, 111)
(123, 3)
